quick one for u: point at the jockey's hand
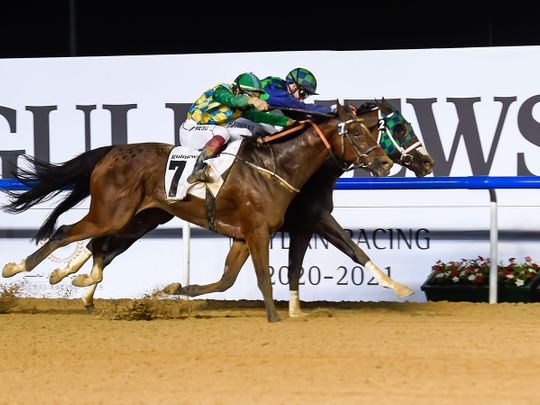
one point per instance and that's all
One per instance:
(290, 122)
(259, 104)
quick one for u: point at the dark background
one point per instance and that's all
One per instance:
(91, 28)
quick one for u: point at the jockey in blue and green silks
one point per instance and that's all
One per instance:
(211, 119)
(286, 94)
(299, 84)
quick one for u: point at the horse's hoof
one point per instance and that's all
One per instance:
(274, 319)
(173, 289)
(403, 291)
(90, 308)
(55, 277)
(10, 269)
(296, 314)
(82, 281)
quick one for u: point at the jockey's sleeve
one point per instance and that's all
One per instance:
(223, 96)
(279, 97)
(266, 117)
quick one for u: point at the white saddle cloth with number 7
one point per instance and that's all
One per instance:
(180, 165)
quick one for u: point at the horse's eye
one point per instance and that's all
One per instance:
(400, 130)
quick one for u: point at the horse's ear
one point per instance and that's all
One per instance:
(384, 106)
(380, 106)
(340, 108)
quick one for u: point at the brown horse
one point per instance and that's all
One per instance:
(310, 212)
(125, 180)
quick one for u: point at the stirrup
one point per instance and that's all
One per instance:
(199, 175)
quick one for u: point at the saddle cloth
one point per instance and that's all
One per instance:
(180, 165)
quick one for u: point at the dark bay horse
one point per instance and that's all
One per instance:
(125, 180)
(310, 212)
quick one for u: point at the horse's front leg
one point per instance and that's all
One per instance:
(236, 258)
(258, 239)
(299, 242)
(329, 229)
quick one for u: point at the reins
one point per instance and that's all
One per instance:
(302, 125)
(287, 185)
(342, 130)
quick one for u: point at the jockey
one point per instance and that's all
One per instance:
(210, 119)
(299, 84)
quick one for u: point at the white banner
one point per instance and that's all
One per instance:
(476, 110)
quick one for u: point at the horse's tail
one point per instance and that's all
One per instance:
(47, 180)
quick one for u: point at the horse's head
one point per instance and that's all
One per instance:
(399, 141)
(396, 136)
(356, 145)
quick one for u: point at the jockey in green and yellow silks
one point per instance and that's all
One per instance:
(207, 111)
(211, 119)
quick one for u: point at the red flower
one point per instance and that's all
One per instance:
(476, 271)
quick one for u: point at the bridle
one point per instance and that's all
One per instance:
(343, 131)
(405, 157)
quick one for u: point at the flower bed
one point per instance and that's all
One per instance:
(468, 280)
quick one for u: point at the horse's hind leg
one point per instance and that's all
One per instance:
(87, 297)
(117, 243)
(73, 266)
(59, 239)
(236, 258)
(88, 227)
(330, 230)
(96, 275)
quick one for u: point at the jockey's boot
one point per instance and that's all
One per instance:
(210, 150)
(200, 170)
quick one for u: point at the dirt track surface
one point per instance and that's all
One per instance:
(209, 352)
